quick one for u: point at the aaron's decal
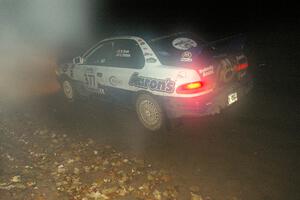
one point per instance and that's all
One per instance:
(162, 85)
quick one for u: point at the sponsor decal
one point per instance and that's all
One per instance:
(114, 81)
(207, 71)
(183, 43)
(148, 54)
(150, 60)
(72, 70)
(100, 90)
(123, 53)
(161, 85)
(186, 57)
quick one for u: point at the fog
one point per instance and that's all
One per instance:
(33, 34)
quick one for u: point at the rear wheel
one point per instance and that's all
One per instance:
(149, 112)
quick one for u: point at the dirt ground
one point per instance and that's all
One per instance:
(89, 150)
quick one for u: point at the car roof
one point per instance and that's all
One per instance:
(121, 37)
(147, 37)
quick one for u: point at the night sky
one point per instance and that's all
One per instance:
(204, 16)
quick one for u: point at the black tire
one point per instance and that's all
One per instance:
(68, 90)
(149, 112)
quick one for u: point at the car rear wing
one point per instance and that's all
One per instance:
(235, 43)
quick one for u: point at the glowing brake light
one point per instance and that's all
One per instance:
(189, 88)
(241, 67)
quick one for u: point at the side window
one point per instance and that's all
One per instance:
(127, 54)
(101, 55)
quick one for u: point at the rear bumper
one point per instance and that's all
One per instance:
(208, 104)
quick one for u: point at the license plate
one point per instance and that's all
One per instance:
(232, 98)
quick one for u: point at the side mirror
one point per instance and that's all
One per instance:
(78, 60)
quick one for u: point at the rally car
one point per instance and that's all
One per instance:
(162, 78)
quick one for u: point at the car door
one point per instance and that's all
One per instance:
(92, 70)
(127, 58)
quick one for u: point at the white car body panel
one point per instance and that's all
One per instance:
(119, 78)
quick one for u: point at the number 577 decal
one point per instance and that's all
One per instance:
(90, 80)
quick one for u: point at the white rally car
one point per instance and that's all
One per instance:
(172, 76)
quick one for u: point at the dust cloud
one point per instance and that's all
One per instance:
(33, 34)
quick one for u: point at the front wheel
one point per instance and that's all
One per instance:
(68, 90)
(149, 112)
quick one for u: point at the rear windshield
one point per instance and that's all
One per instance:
(178, 49)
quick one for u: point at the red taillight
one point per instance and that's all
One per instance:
(189, 88)
(242, 66)
(195, 85)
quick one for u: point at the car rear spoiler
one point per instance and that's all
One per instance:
(235, 43)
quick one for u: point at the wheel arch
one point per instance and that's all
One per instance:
(64, 77)
(136, 94)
